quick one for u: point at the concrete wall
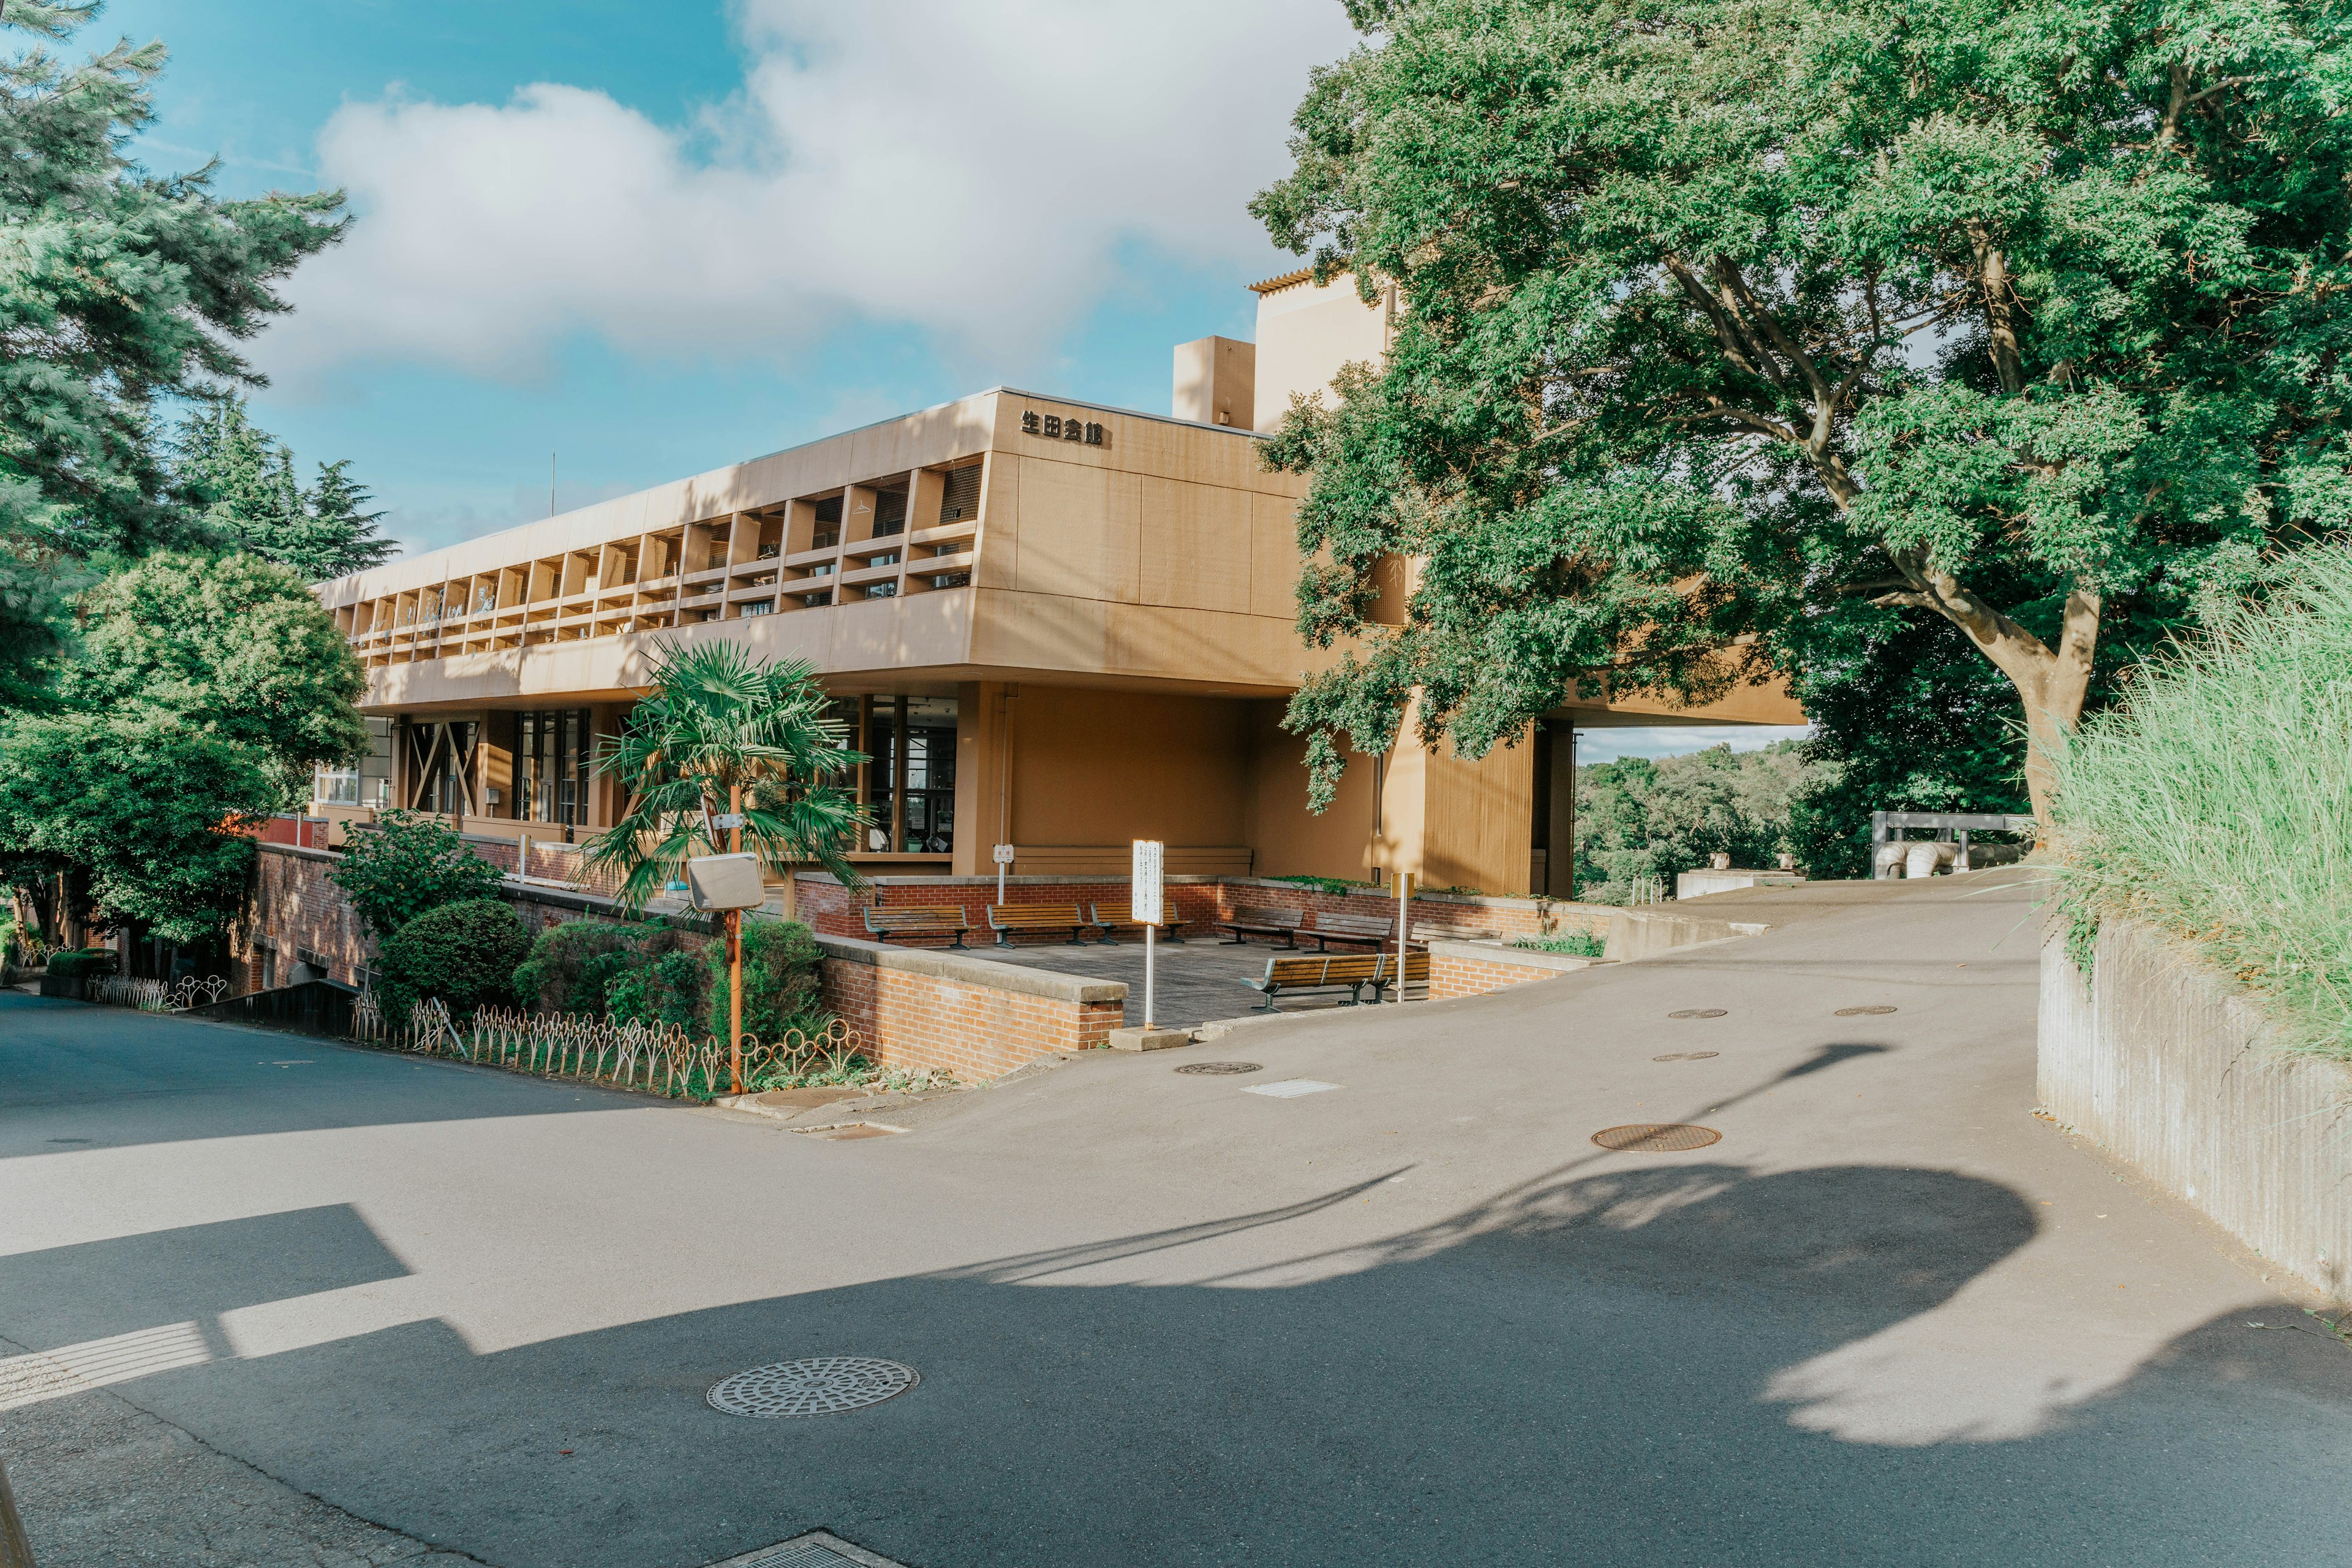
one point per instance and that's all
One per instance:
(2182, 1080)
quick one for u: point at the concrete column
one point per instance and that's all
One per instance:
(898, 776)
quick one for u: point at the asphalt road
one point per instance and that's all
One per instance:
(1890, 1317)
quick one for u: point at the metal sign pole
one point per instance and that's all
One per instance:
(1145, 903)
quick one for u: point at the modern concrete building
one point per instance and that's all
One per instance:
(1050, 624)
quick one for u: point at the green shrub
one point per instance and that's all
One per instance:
(572, 965)
(407, 864)
(82, 963)
(783, 980)
(464, 954)
(1575, 943)
(2214, 806)
(1339, 885)
(662, 984)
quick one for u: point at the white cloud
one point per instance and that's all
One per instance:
(971, 171)
(1607, 745)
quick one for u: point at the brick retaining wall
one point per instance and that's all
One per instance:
(1200, 903)
(1472, 969)
(975, 1018)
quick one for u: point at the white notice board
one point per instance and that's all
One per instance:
(1146, 901)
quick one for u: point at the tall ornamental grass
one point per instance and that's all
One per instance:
(2217, 805)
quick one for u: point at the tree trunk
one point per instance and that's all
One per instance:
(2051, 684)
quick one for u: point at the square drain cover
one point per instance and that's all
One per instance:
(817, 1549)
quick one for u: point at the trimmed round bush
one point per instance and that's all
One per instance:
(465, 953)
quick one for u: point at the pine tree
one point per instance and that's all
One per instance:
(248, 498)
(125, 289)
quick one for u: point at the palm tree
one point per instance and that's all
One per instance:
(726, 744)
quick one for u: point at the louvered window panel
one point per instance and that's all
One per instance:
(960, 500)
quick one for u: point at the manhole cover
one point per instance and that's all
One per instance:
(817, 1549)
(1697, 1013)
(1862, 1012)
(1656, 1137)
(823, 1385)
(1218, 1066)
(1686, 1056)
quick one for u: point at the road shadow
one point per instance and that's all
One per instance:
(1578, 1370)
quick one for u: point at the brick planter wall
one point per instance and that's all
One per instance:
(1472, 969)
(1200, 903)
(972, 1017)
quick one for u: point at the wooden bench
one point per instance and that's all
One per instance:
(1006, 918)
(1247, 924)
(1416, 973)
(1121, 916)
(1368, 930)
(1349, 972)
(918, 919)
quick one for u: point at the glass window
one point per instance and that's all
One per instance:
(552, 758)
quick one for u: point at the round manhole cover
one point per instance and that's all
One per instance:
(1686, 1056)
(823, 1385)
(1697, 1013)
(1218, 1066)
(1657, 1138)
(1864, 1011)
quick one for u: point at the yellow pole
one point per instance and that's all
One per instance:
(735, 949)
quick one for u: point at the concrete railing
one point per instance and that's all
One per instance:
(2158, 1060)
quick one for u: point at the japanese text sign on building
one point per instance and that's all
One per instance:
(1145, 902)
(1055, 428)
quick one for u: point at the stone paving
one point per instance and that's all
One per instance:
(1201, 979)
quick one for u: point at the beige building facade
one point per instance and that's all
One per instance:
(1049, 624)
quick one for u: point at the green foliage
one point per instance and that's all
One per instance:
(2212, 805)
(149, 815)
(1324, 884)
(245, 485)
(231, 644)
(784, 981)
(1575, 943)
(465, 953)
(82, 963)
(572, 964)
(407, 864)
(666, 986)
(1907, 717)
(1636, 817)
(1713, 316)
(719, 719)
(123, 288)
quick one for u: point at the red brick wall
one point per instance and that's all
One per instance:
(972, 1031)
(295, 906)
(1453, 976)
(833, 909)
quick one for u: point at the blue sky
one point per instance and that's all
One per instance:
(649, 240)
(745, 125)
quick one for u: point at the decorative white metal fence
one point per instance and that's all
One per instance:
(659, 1060)
(156, 995)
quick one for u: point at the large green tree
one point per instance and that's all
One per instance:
(120, 290)
(1718, 319)
(206, 689)
(228, 643)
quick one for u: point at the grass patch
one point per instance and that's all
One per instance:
(2217, 804)
(1574, 943)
